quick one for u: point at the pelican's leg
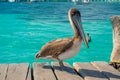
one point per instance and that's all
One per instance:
(60, 63)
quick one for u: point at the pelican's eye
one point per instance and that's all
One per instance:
(73, 13)
(76, 13)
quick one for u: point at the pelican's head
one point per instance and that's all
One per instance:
(75, 20)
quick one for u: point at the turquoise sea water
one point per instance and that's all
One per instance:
(25, 28)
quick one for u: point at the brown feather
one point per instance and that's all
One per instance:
(56, 47)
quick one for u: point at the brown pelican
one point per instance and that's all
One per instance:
(65, 48)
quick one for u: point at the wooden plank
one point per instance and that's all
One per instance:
(17, 71)
(3, 71)
(67, 73)
(43, 71)
(107, 70)
(88, 71)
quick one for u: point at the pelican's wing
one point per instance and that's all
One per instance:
(56, 47)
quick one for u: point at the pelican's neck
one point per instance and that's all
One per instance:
(76, 32)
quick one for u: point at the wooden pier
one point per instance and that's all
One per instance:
(44, 71)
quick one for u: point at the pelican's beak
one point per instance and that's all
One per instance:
(78, 24)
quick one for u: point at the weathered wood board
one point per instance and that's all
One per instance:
(43, 71)
(66, 73)
(88, 71)
(107, 70)
(15, 71)
(3, 71)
